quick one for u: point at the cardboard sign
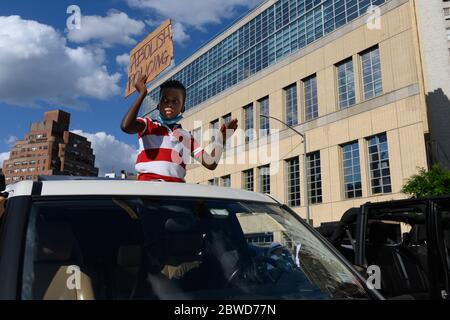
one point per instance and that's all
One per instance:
(151, 56)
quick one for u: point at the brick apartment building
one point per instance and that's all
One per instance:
(50, 149)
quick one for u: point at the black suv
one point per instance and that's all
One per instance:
(93, 239)
(409, 240)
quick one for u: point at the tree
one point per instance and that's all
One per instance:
(434, 182)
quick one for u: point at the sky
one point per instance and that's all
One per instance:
(45, 66)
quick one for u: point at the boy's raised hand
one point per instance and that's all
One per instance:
(140, 85)
(232, 125)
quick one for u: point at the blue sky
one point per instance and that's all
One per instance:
(44, 66)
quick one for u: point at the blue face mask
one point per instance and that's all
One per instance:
(163, 120)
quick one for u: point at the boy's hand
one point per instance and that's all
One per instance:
(140, 85)
(232, 125)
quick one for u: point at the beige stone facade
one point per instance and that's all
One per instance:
(399, 111)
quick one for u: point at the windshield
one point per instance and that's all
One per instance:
(175, 248)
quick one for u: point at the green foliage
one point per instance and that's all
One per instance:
(434, 182)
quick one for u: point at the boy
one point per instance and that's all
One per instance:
(161, 140)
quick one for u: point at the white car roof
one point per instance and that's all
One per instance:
(131, 188)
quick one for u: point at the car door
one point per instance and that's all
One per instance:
(12, 238)
(438, 258)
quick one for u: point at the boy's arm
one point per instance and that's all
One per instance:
(129, 122)
(209, 161)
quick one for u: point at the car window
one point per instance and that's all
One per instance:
(172, 248)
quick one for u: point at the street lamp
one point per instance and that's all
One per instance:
(303, 135)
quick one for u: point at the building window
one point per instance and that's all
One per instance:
(293, 182)
(198, 136)
(225, 181)
(264, 122)
(311, 104)
(214, 127)
(351, 170)
(248, 122)
(345, 83)
(226, 119)
(380, 176)
(213, 182)
(290, 94)
(371, 73)
(248, 180)
(264, 179)
(314, 177)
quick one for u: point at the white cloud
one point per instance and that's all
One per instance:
(3, 156)
(123, 60)
(179, 33)
(195, 13)
(37, 66)
(152, 23)
(170, 67)
(110, 153)
(11, 140)
(115, 28)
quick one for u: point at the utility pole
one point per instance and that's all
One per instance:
(305, 187)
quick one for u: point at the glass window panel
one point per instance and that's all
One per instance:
(314, 178)
(248, 180)
(310, 94)
(352, 173)
(293, 181)
(379, 164)
(371, 74)
(291, 104)
(248, 122)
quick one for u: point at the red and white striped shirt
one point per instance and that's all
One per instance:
(162, 152)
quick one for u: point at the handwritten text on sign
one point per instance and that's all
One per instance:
(151, 56)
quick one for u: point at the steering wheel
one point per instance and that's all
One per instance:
(256, 270)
